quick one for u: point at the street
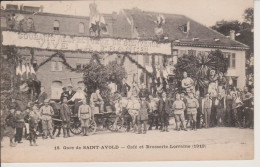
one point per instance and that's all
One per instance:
(203, 144)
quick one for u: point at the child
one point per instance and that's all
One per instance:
(85, 116)
(10, 126)
(33, 123)
(19, 125)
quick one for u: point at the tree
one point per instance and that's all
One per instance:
(198, 67)
(98, 76)
(249, 16)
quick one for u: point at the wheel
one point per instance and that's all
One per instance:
(92, 127)
(120, 126)
(75, 127)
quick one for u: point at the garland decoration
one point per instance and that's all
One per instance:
(139, 65)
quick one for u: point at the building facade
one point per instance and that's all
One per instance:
(187, 36)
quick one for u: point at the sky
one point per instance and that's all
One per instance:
(206, 12)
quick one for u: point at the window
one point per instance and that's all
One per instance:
(80, 66)
(56, 25)
(146, 59)
(56, 66)
(81, 27)
(192, 52)
(56, 89)
(233, 61)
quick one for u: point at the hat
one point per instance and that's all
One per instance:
(64, 88)
(69, 85)
(46, 101)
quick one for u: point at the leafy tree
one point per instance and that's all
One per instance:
(98, 76)
(198, 67)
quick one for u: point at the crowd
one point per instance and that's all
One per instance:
(221, 105)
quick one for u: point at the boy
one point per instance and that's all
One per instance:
(85, 116)
(10, 126)
(19, 125)
(33, 123)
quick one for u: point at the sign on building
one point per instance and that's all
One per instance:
(87, 44)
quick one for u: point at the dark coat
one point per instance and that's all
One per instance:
(19, 120)
(143, 113)
(42, 97)
(63, 94)
(10, 120)
(65, 112)
(124, 89)
(70, 94)
(167, 106)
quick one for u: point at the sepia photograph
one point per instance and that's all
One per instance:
(127, 80)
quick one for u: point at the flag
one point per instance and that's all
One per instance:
(18, 70)
(33, 74)
(18, 17)
(24, 74)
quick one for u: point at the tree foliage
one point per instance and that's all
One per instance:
(97, 76)
(198, 67)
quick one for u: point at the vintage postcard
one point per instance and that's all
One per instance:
(133, 80)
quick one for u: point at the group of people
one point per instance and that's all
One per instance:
(219, 106)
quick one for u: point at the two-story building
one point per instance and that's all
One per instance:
(187, 36)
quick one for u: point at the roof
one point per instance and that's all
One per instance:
(144, 24)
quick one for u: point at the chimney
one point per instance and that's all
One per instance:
(232, 34)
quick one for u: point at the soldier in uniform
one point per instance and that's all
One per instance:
(192, 106)
(46, 112)
(246, 98)
(178, 109)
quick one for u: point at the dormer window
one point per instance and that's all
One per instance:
(56, 25)
(185, 27)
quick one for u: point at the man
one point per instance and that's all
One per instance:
(42, 96)
(85, 115)
(221, 81)
(77, 99)
(97, 101)
(246, 99)
(112, 86)
(133, 106)
(154, 113)
(70, 92)
(46, 112)
(220, 105)
(63, 94)
(65, 114)
(206, 110)
(197, 96)
(124, 88)
(178, 110)
(187, 83)
(192, 106)
(164, 108)
(142, 116)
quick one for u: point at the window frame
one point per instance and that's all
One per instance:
(56, 27)
(57, 67)
(81, 23)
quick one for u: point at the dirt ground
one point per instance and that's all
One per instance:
(203, 144)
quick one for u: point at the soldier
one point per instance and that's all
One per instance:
(46, 112)
(85, 116)
(187, 83)
(42, 96)
(220, 105)
(164, 108)
(64, 93)
(206, 110)
(154, 113)
(142, 116)
(65, 114)
(178, 110)
(192, 106)
(33, 123)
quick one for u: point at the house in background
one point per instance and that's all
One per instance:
(187, 36)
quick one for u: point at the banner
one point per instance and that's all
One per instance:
(85, 44)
